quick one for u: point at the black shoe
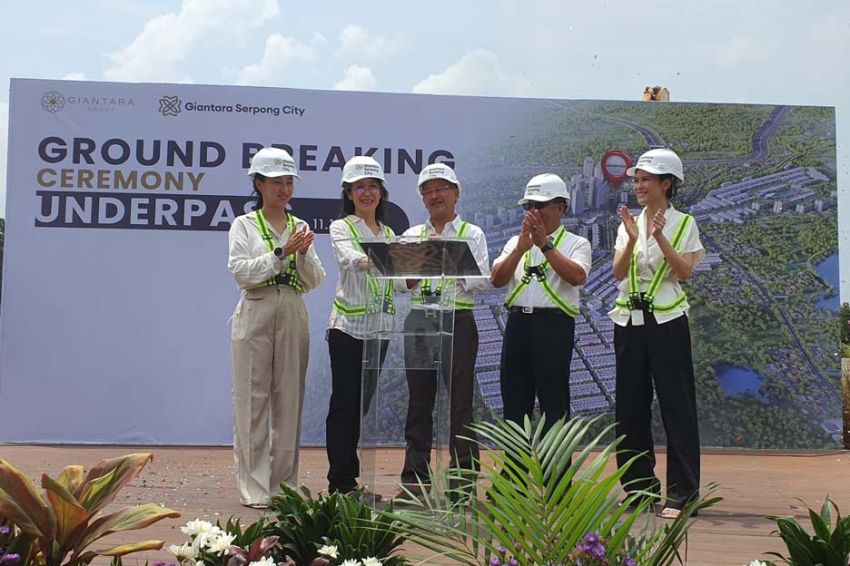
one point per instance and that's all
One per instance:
(410, 491)
(364, 494)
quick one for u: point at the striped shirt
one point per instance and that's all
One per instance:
(352, 288)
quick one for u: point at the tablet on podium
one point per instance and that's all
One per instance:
(426, 258)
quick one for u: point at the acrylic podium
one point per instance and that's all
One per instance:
(418, 348)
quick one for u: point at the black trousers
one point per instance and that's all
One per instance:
(347, 404)
(536, 355)
(657, 356)
(419, 355)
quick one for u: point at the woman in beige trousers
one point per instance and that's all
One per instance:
(274, 262)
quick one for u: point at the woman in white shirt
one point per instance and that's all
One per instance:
(274, 262)
(361, 307)
(653, 253)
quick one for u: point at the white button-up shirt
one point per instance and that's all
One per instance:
(649, 257)
(352, 288)
(251, 263)
(465, 286)
(572, 246)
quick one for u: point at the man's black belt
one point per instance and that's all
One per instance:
(535, 310)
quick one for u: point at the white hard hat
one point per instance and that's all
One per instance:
(437, 171)
(543, 188)
(659, 162)
(362, 167)
(273, 162)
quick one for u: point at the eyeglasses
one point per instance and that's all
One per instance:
(534, 205)
(437, 191)
(370, 188)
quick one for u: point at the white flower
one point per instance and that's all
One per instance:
(196, 527)
(351, 563)
(183, 552)
(220, 543)
(204, 538)
(329, 551)
(758, 563)
(201, 532)
(372, 561)
(266, 561)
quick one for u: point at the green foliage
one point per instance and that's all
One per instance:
(362, 532)
(824, 547)
(547, 492)
(250, 545)
(303, 523)
(245, 537)
(65, 523)
(16, 547)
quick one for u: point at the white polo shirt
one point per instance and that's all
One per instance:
(572, 246)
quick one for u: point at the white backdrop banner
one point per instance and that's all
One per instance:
(116, 297)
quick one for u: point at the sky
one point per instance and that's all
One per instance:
(749, 51)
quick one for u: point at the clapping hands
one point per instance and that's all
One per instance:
(299, 241)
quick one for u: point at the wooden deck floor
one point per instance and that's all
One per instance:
(198, 482)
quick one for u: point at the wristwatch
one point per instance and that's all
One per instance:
(547, 246)
(278, 252)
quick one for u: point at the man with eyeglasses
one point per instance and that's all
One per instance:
(431, 309)
(544, 267)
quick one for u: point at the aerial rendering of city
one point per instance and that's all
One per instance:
(760, 181)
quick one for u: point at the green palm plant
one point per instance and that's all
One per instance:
(547, 490)
(67, 521)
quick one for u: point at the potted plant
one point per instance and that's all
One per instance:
(62, 525)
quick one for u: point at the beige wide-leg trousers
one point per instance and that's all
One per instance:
(270, 339)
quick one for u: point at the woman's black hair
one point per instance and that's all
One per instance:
(259, 196)
(675, 183)
(348, 204)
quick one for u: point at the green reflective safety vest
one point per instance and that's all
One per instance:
(290, 275)
(425, 286)
(384, 297)
(539, 273)
(634, 299)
